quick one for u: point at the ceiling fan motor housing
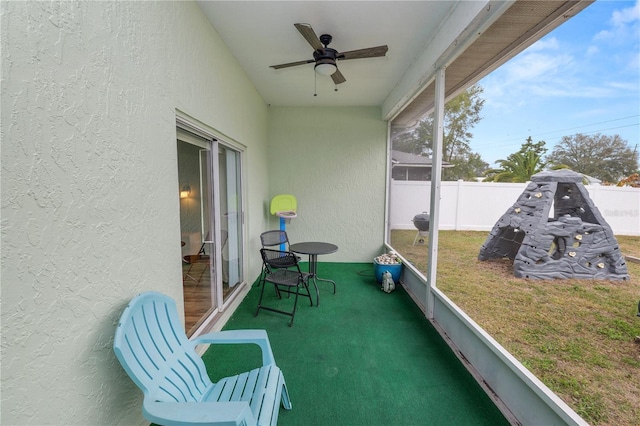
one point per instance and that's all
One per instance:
(325, 56)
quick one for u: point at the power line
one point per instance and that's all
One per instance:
(602, 130)
(586, 133)
(594, 124)
(497, 144)
(505, 145)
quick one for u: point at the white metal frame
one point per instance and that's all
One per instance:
(521, 396)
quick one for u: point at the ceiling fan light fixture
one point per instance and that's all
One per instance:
(326, 68)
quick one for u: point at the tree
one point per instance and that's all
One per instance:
(521, 165)
(469, 167)
(633, 181)
(416, 142)
(460, 115)
(539, 148)
(607, 158)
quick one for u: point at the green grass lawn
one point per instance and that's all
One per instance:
(577, 336)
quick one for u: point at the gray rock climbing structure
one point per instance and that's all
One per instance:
(576, 243)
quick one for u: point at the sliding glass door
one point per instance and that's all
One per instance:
(230, 218)
(211, 224)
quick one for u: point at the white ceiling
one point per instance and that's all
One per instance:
(261, 33)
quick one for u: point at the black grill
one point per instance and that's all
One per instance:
(421, 221)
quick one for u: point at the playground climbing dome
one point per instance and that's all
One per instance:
(574, 242)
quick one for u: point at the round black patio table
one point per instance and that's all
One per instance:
(313, 249)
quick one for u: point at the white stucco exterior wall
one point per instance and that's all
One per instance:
(90, 208)
(333, 161)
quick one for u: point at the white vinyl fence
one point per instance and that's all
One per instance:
(477, 206)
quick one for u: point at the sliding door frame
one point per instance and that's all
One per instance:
(217, 139)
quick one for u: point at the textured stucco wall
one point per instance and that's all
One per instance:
(90, 207)
(333, 161)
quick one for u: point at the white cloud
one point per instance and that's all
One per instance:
(570, 78)
(571, 90)
(629, 87)
(603, 35)
(593, 50)
(532, 73)
(549, 43)
(623, 26)
(536, 66)
(565, 70)
(626, 16)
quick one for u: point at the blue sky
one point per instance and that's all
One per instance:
(583, 77)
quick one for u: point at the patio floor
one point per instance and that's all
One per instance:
(363, 357)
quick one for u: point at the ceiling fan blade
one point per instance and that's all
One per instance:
(293, 64)
(337, 77)
(309, 35)
(370, 52)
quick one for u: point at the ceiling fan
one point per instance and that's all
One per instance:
(326, 57)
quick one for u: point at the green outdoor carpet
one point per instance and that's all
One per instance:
(363, 357)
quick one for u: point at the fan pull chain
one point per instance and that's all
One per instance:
(315, 84)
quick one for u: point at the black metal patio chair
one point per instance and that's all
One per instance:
(283, 279)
